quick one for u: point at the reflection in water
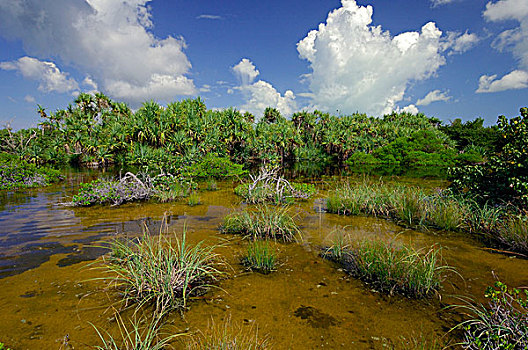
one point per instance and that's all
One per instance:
(49, 293)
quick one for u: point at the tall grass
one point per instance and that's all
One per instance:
(227, 337)
(161, 271)
(415, 207)
(391, 268)
(260, 257)
(273, 222)
(194, 199)
(134, 336)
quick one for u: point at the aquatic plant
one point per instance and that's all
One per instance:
(268, 186)
(134, 336)
(502, 324)
(211, 185)
(194, 199)
(274, 222)
(161, 271)
(227, 337)
(390, 268)
(513, 232)
(260, 257)
(2, 347)
(17, 173)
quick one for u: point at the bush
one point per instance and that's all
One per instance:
(213, 166)
(16, 173)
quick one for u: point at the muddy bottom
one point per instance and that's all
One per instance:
(50, 296)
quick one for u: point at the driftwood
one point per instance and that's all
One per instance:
(274, 185)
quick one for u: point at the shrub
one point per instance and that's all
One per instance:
(213, 166)
(16, 173)
(503, 324)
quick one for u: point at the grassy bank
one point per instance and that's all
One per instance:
(440, 209)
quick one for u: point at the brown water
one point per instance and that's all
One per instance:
(49, 298)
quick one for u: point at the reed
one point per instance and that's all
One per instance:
(392, 268)
(269, 222)
(194, 199)
(513, 232)
(161, 271)
(260, 257)
(227, 337)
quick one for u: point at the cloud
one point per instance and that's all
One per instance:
(29, 99)
(205, 88)
(517, 79)
(245, 71)
(261, 94)
(461, 43)
(514, 40)
(412, 109)
(108, 40)
(48, 75)
(209, 17)
(433, 96)
(357, 66)
(441, 2)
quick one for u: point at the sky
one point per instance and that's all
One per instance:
(445, 58)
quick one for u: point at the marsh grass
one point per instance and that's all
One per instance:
(228, 336)
(211, 185)
(269, 222)
(171, 193)
(392, 268)
(513, 232)
(502, 324)
(136, 335)
(260, 257)
(161, 271)
(194, 199)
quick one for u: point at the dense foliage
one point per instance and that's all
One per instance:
(97, 131)
(17, 173)
(504, 177)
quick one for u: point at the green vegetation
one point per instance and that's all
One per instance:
(186, 138)
(390, 268)
(2, 347)
(260, 257)
(135, 337)
(269, 222)
(161, 272)
(16, 173)
(227, 337)
(132, 187)
(503, 324)
(194, 199)
(504, 177)
(268, 186)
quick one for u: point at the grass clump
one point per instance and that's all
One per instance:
(503, 324)
(227, 337)
(513, 232)
(161, 271)
(260, 257)
(135, 336)
(391, 268)
(269, 222)
(194, 199)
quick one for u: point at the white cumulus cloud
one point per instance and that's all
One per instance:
(357, 66)
(29, 99)
(433, 96)
(514, 40)
(261, 94)
(518, 79)
(48, 75)
(108, 40)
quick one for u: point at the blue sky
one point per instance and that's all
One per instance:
(445, 58)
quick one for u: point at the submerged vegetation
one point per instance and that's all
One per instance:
(266, 222)
(389, 267)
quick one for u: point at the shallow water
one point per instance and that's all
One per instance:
(50, 295)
